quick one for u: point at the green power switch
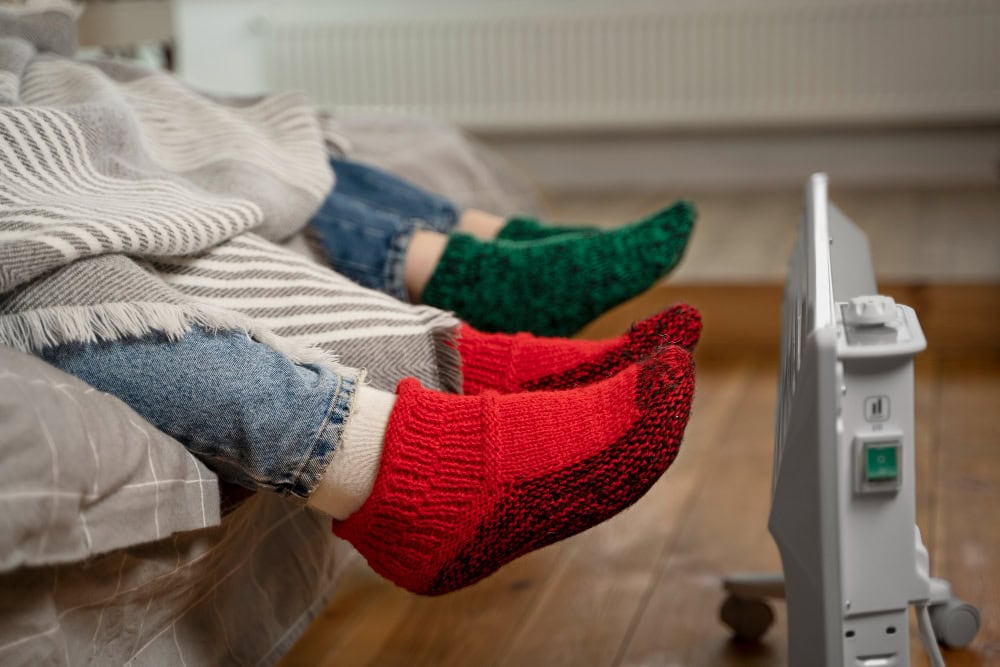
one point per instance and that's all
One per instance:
(881, 462)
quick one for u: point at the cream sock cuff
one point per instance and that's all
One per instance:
(349, 478)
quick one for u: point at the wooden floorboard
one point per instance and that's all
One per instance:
(644, 588)
(917, 234)
(605, 581)
(966, 545)
(725, 531)
(745, 317)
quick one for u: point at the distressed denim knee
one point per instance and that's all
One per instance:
(248, 412)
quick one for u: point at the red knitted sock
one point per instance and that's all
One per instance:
(523, 362)
(468, 483)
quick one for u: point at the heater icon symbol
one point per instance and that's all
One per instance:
(876, 408)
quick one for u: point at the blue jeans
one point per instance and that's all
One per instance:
(365, 224)
(249, 413)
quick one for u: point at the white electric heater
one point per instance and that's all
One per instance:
(843, 495)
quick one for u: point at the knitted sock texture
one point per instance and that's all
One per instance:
(468, 483)
(522, 228)
(523, 362)
(553, 287)
(352, 470)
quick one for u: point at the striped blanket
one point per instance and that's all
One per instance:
(130, 203)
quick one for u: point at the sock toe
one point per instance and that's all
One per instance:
(540, 511)
(678, 325)
(470, 483)
(555, 286)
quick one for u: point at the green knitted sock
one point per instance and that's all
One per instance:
(556, 285)
(523, 228)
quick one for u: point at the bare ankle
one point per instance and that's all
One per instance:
(480, 224)
(422, 258)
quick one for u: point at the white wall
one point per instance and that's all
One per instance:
(223, 46)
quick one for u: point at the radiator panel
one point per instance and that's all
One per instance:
(666, 65)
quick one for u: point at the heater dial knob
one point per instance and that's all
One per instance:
(870, 311)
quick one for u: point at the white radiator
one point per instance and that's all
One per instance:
(492, 65)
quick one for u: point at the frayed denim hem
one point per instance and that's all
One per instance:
(328, 438)
(394, 269)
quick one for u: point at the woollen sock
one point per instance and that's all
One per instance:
(351, 473)
(524, 362)
(468, 483)
(554, 286)
(525, 228)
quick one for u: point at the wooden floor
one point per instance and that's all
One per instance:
(645, 587)
(917, 234)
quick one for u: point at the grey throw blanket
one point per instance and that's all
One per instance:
(129, 203)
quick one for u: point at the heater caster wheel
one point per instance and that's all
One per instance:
(748, 618)
(955, 623)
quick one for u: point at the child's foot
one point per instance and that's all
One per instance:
(468, 483)
(554, 286)
(524, 228)
(523, 362)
